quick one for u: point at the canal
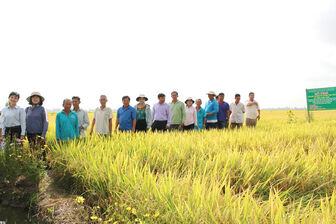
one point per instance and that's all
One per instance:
(9, 215)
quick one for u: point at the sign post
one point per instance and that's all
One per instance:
(321, 99)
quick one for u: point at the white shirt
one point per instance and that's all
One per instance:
(252, 111)
(83, 120)
(237, 113)
(102, 120)
(191, 116)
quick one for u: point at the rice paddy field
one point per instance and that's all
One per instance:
(283, 171)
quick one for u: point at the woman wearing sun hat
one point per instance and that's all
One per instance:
(191, 115)
(144, 114)
(12, 121)
(36, 119)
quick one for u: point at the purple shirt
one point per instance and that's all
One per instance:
(161, 112)
(37, 121)
(222, 113)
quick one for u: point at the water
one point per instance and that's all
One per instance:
(9, 215)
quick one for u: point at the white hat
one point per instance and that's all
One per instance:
(141, 96)
(211, 92)
(35, 94)
(189, 98)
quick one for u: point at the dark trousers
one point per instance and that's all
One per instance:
(236, 125)
(13, 132)
(159, 126)
(141, 125)
(176, 127)
(222, 124)
(209, 126)
(189, 127)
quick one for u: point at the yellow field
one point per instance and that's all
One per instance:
(280, 172)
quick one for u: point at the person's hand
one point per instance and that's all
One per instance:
(115, 130)
(196, 125)
(167, 127)
(22, 137)
(80, 129)
(258, 117)
(182, 124)
(91, 132)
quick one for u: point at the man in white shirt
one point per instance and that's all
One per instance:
(102, 118)
(252, 111)
(83, 116)
(237, 110)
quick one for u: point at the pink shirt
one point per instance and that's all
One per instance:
(191, 116)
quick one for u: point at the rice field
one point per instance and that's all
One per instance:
(281, 172)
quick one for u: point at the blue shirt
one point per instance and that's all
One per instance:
(11, 117)
(67, 126)
(222, 113)
(200, 116)
(126, 117)
(37, 120)
(212, 107)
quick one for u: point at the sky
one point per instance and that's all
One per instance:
(276, 49)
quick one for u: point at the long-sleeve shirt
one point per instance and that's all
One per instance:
(11, 117)
(200, 116)
(191, 117)
(83, 120)
(212, 107)
(67, 126)
(177, 112)
(161, 112)
(37, 120)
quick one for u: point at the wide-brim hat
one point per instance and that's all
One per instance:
(35, 94)
(141, 96)
(211, 93)
(189, 98)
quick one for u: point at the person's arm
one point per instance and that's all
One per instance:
(153, 113)
(76, 127)
(169, 117)
(184, 115)
(93, 124)
(149, 117)
(243, 108)
(45, 123)
(22, 123)
(58, 128)
(228, 115)
(2, 124)
(195, 117)
(86, 120)
(133, 114)
(110, 121)
(116, 124)
(258, 111)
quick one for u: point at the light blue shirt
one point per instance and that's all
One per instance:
(67, 126)
(11, 117)
(212, 107)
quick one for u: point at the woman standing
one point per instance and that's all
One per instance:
(36, 119)
(200, 115)
(191, 118)
(13, 119)
(144, 114)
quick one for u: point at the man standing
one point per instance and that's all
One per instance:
(223, 113)
(211, 110)
(252, 111)
(161, 114)
(66, 123)
(177, 112)
(237, 110)
(102, 118)
(83, 117)
(126, 116)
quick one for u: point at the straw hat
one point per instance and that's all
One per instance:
(189, 98)
(211, 93)
(35, 94)
(141, 96)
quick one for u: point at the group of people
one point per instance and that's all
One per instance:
(72, 121)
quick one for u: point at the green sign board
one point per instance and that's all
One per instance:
(321, 99)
